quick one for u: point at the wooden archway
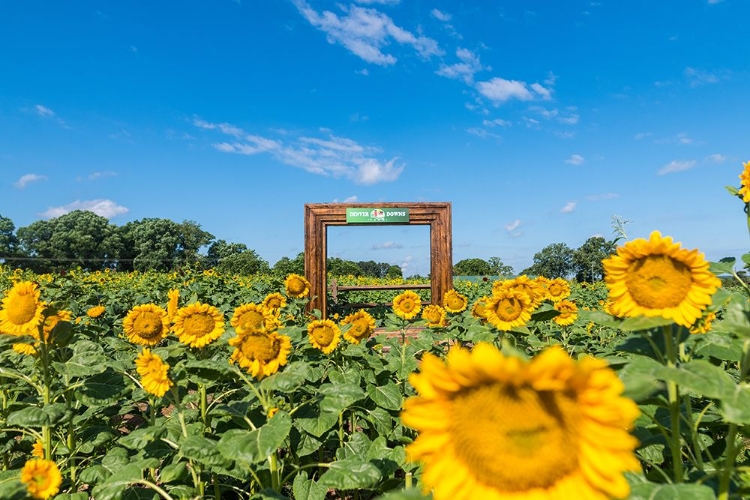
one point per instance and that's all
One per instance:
(318, 216)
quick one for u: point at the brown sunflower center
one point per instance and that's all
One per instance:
(658, 281)
(407, 305)
(147, 325)
(252, 320)
(433, 316)
(519, 438)
(274, 303)
(455, 302)
(260, 347)
(296, 286)
(555, 289)
(22, 308)
(323, 335)
(508, 309)
(358, 329)
(199, 324)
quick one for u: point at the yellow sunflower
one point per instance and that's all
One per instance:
(154, 373)
(558, 289)
(51, 321)
(362, 326)
(658, 278)
(250, 317)
(568, 313)
(745, 183)
(324, 334)
(146, 324)
(26, 349)
(41, 477)
(197, 325)
(274, 301)
(508, 308)
(22, 312)
(532, 288)
(297, 286)
(95, 311)
(454, 302)
(260, 354)
(407, 305)
(703, 325)
(434, 315)
(37, 449)
(495, 427)
(479, 309)
(173, 303)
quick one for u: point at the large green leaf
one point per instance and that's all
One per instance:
(102, 387)
(252, 447)
(386, 396)
(139, 438)
(290, 379)
(304, 488)
(34, 416)
(656, 491)
(350, 474)
(338, 397)
(203, 450)
(410, 494)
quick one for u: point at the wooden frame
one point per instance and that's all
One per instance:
(318, 216)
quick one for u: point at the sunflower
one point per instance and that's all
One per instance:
(22, 312)
(558, 289)
(250, 317)
(407, 305)
(197, 325)
(658, 278)
(496, 427)
(37, 449)
(41, 477)
(454, 302)
(508, 308)
(703, 325)
(146, 324)
(154, 373)
(434, 315)
(26, 349)
(362, 326)
(479, 309)
(261, 354)
(95, 311)
(568, 313)
(173, 303)
(51, 321)
(297, 286)
(274, 301)
(745, 183)
(324, 334)
(532, 288)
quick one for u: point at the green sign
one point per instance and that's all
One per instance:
(376, 215)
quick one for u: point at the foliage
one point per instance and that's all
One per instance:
(553, 261)
(587, 259)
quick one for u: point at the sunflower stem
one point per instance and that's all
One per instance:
(673, 392)
(732, 449)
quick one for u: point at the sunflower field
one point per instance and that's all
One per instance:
(197, 385)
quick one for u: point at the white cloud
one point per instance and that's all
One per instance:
(497, 122)
(716, 158)
(698, 77)
(676, 166)
(387, 245)
(483, 133)
(500, 90)
(642, 135)
(101, 175)
(105, 208)
(545, 93)
(465, 69)
(575, 160)
(441, 16)
(513, 225)
(331, 155)
(381, 2)
(569, 207)
(43, 111)
(365, 32)
(27, 179)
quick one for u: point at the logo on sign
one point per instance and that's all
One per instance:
(378, 214)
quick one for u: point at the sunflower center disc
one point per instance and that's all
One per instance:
(296, 287)
(22, 309)
(252, 320)
(323, 335)
(658, 281)
(508, 309)
(147, 325)
(260, 347)
(358, 329)
(198, 325)
(515, 439)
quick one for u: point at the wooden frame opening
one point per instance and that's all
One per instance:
(318, 216)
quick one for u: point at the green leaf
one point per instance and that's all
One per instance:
(350, 474)
(724, 266)
(252, 447)
(173, 472)
(410, 494)
(338, 397)
(304, 488)
(386, 396)
(658, 491)
(639, 323)
(208, 370)
(288, 380)
(315, 422)
(114, 487)
(33, 416)
(745, 258)
(103, 387)
(736, 317)
(203, 450)
(139, 438)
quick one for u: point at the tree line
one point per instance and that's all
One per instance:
(87, 240)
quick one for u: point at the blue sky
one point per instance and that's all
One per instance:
(539, 121)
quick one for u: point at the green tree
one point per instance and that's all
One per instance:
(497, 268)
(286, 266)
(220, 250)
(472, 267)
(8, 239)
(587, 259)
(394, 271)
(192, 239)
(553, 261)
(342, 267)
(153, 244)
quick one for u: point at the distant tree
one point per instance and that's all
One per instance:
(192, 239)
(286, 266)
(220, 250)
(497, 268)
(472, 267)
(587, 259)
(155, 244)
(394, 272)
(342, 267)
(8, 239)
(244, 263)
(553, 261)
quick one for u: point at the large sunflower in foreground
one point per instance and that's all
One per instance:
(198, 324)
(407, 305)
(324, 334)
(154, 373)
(261, 354)
(745, 183)
(454, 302)
(659, 278)
(252, 317)
(41, 477)
(362, 326)
(494, 427)
(297, 286)
(22, 311)
(146, 324)
(507, 308)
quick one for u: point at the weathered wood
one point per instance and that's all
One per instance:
(318, 216)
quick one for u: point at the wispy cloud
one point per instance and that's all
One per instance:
(716, 158)
(463, 70)
(500, 90)
(441, 16)
(497, 122)
(101, 175)
(513, 225)
(105, 208)
(575, 160)
(388, 245)
(365, 31)
(27, 179)
(483, 133)
(569, 207)
(677, 166)
(328, 155)
(681, 138)
(43, 111)
(380, 2)
(697, 77)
